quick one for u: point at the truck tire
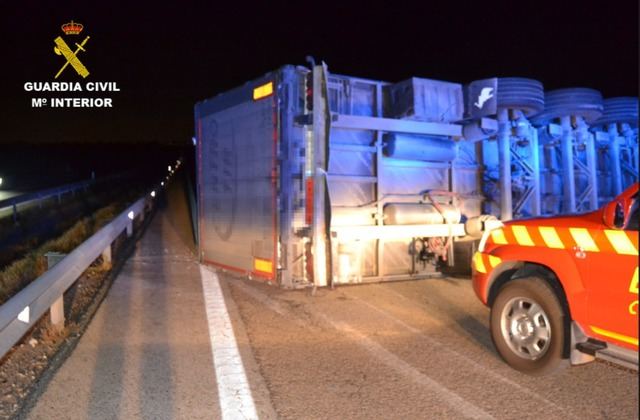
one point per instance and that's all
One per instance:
(520, 93)
(583, 102)
(527, 326)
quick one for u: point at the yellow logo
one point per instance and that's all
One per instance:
(71, 57)
(633, 288)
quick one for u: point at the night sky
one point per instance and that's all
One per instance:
(164, 59)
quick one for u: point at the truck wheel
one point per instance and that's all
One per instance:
(527, 326)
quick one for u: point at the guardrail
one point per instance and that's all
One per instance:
(17, 200)
(22, 311)
(42, 195)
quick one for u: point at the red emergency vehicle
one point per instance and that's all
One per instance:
(563, 288)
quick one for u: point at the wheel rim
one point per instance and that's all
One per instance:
(526, 328)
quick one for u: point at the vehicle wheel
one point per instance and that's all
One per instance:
(583, 102)
(526, 95)
(527, 326)
(618, 110)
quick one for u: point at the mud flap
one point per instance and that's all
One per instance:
(577, 337)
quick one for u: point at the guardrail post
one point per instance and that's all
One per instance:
(57, 309)
(15, 213)
(57, 313)
(130, 229)
(106, 257)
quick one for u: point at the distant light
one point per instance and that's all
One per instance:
(153, 193)
(131, 215)
(193, 139)
(169, 168)
(162, 183)
(0, 180)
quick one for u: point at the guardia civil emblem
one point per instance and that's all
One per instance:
(62, 48)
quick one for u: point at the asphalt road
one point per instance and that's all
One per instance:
(418, 349)
(176, 340)
(147, 353)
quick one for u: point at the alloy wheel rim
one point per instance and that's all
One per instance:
(525, 328)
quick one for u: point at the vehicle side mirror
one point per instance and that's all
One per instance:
(614, 215)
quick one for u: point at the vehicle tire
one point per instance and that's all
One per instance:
(582, 102)
(527, 326)
(520, 93)
(618, 110)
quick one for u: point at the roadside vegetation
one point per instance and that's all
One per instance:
(50, 218)
(19, 273)
(40, 352)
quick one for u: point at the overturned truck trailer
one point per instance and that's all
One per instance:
(311, 178)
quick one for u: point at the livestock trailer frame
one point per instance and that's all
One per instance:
(310, 178)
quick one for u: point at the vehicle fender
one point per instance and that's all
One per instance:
(560, 262)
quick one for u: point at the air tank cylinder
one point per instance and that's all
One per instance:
(420, 214)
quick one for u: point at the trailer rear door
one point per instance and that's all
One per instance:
(237, 139)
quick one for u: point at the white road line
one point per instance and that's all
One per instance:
(234, 392)
(456, 402)
(473, 363)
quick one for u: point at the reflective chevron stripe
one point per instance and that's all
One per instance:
(617, 241)
(498, 237)
(522, 235)
(481, 261)
(478, 263)
(621, 242)
(550, 237)
(493, 260)
(583, 239)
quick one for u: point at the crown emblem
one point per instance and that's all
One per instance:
(72, 28)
